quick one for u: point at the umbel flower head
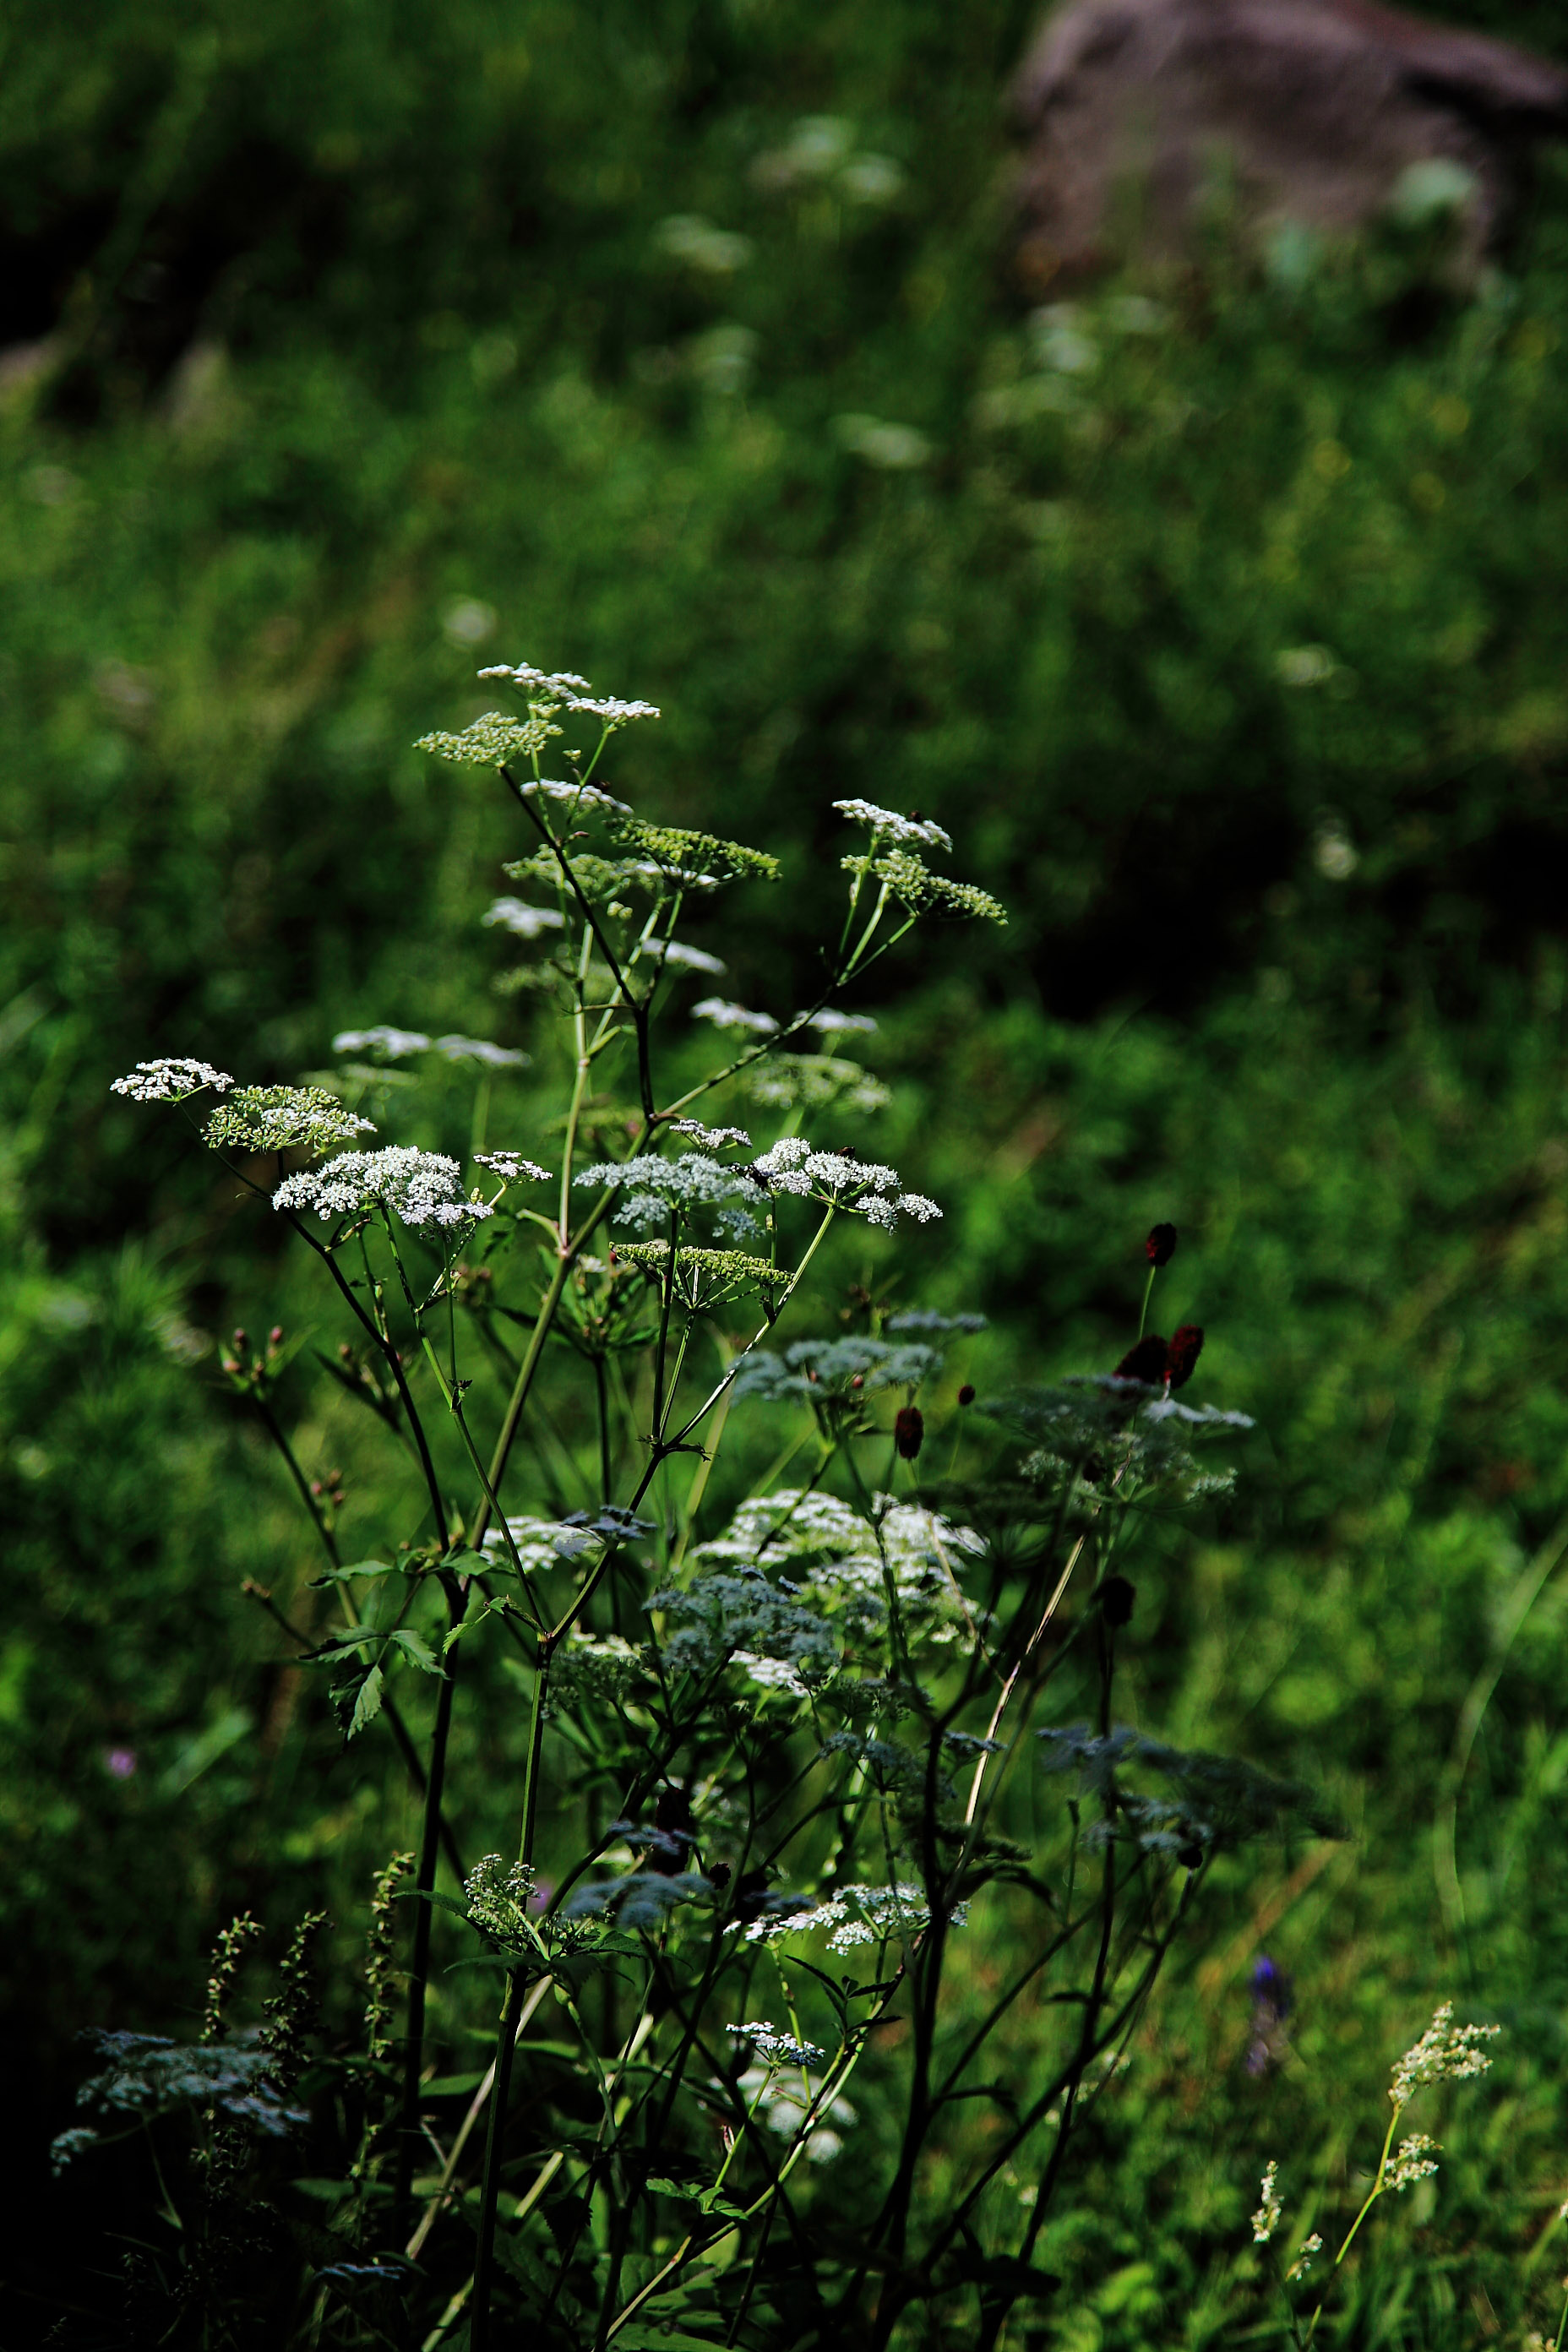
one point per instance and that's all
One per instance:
(773, 2048)
(282, 1119)
(170, 1081)
(424, 1187)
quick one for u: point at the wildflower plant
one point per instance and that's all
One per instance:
(754, 1754)
(1446, 2053)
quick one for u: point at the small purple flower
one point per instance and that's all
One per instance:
(1270, 2009)
(122, 1763)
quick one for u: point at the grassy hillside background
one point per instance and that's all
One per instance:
(1220, 616)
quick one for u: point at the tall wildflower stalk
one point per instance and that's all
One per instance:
(775, 1738)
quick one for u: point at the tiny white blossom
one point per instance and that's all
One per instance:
(725, 1016)
(889, 825)
(587, 796)
(1265, 2221)
(555, 683)
(1414, 2160)
(770, 1673)
(1303, 2262)
(524, 922)
(829, 1024)
(512, 1168)
(424, 1187)
(837, 1172)
(166, 1080)
(711, 1138)
(480, 1050)
(783, 1166)
(773, 2048)
(857, 1915)
(916, 1205)
(611, 708)
(1446, 2053)
(394, 1045)
(675, 952)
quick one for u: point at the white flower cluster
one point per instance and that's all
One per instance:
(887, 826)
(424, 1187)
(534, 1541)
(652, 1186)
(166, 1080)
(829, 1024)
(773, 2048)
(396, 1045)
(1303, 2262)
(564, 686)
(786, 2109)
(1446, 2053)
(725, 1016)
(1414, 2160)
(581, 796)
(711, 1138)
(553, 685)
(524, 922)
(676, 953)
(480, 1051)
(833, 1177)
(859, 1915)
(511, 1167)
(498, 1897)
(770, 1674)
(392, 1045)
(1265, 2221)
(797, 1526)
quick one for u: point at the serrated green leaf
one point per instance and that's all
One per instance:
(419, 1652)
(367, 1705)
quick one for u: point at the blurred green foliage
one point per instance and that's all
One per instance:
(1221, 616)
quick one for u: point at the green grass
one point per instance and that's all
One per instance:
(442, 355)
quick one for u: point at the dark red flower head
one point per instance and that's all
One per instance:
(908, 1432)
(1186, 1346)
(1145, 1362)
(1161, 1246)
(966, 1393)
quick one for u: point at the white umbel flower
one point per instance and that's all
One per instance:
(424, 1187)
(773, 2048)
(512, 1168)
(829, 1024)
(725, 1016)
(523, 922)
(480, 1052)
(889, 827)
(167, 1080)
(677, 956)
(392, 1045)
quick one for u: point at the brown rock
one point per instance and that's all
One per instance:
(1138, 113)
